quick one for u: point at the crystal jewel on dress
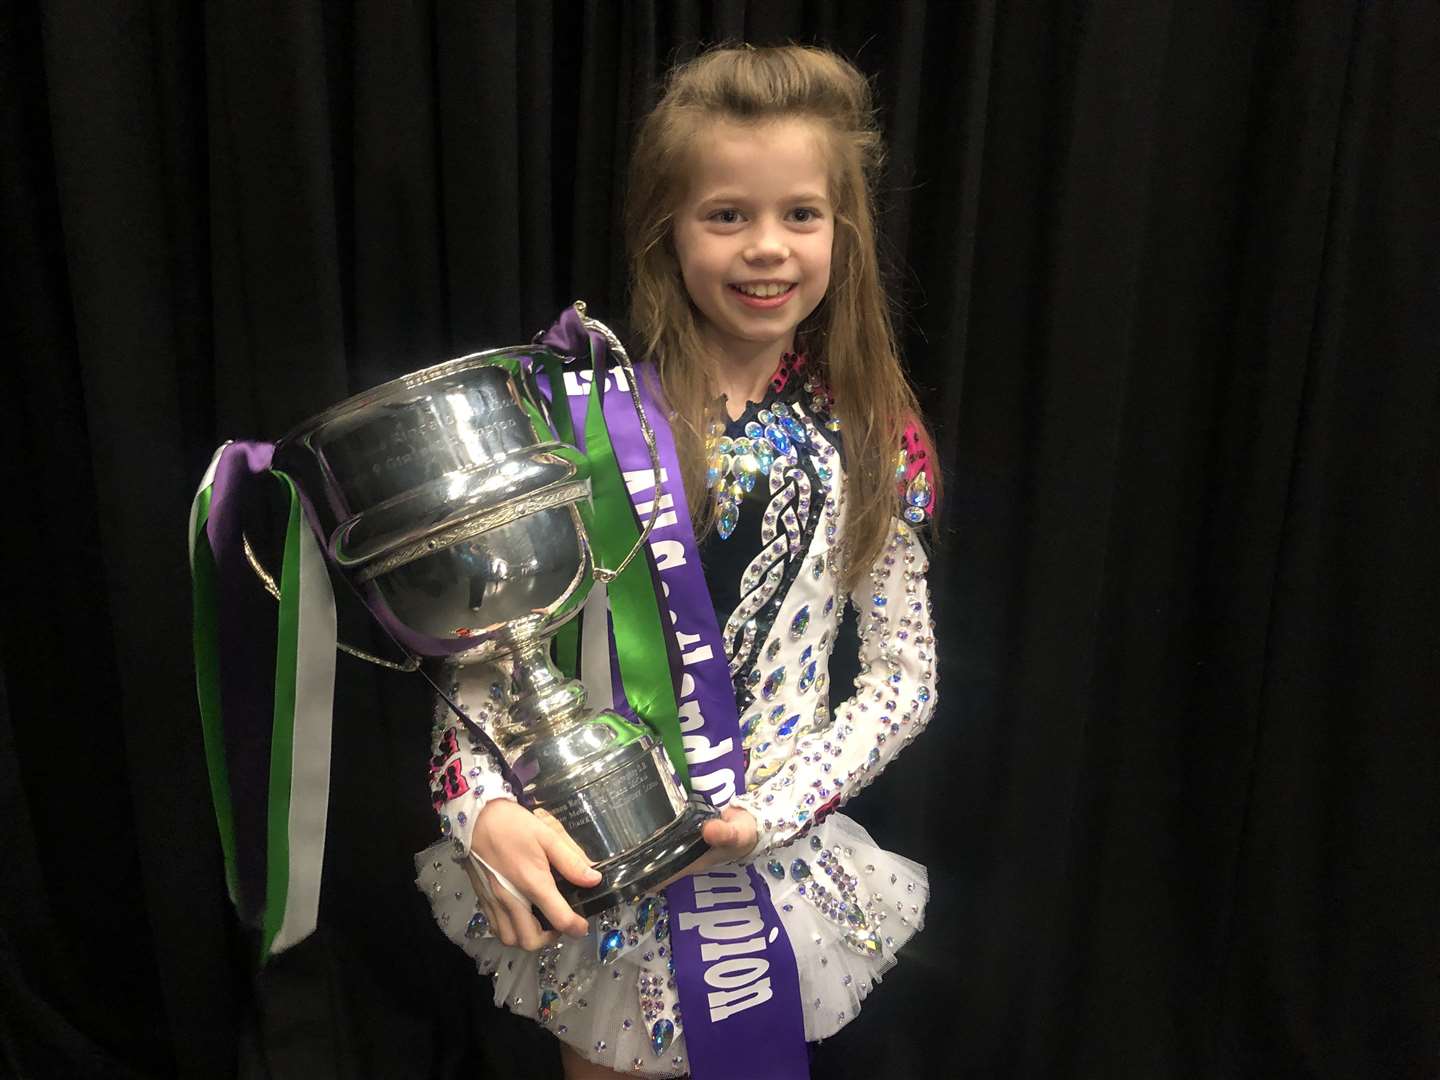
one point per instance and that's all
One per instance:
(662, 1034)
(647, 914)
(610, 945)
(799, 623)
(773, 683)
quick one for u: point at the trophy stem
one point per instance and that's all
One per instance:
(542, 699)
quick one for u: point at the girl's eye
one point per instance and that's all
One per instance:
(726, 217)
(805, 215)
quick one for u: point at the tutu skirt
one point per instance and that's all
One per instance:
(846, 904)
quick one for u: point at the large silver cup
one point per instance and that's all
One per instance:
(447, 502)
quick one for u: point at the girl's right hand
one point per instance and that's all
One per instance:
(522, 847)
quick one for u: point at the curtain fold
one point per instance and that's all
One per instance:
(1165, 276)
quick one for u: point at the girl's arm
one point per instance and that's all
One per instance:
(464, 776)
(894, 697)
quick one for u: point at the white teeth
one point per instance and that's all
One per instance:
(763, 291)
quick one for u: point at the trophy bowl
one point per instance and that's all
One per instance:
(445, 499)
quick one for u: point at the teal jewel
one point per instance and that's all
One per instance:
(792, 427)
(779, 438)
(547, 1005)
(753, 678)
(662, 1035)
(445, 825)
(874, 756)
(772, 650)
(765, 455)
(662, 928)
(773, 683)
(746, 477)
(646, 914)
(724, 445)
(799, 870)
(747, 728)
(610, 946)
(776, 868)
(815, 843)
(807, 677)
(785, 730)
(817, 567)
(764, 416)
(776, 713)
(825, 473)
(729, 516)
(800, 623)
(754, 430)
(924, 694)
(478, 925)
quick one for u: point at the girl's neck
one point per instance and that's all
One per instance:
(743, 374)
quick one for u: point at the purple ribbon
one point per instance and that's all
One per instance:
(247, 668)
(734, 966)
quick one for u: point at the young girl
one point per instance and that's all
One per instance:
(757, 296)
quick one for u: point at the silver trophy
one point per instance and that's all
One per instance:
(447, 502)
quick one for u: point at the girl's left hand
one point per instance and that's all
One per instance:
(731, 837)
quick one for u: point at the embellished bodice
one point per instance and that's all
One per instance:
(774, 568)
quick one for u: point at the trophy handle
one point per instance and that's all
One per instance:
(646, 432)
(410, 663)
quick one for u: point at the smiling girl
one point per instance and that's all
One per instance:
(756, 295)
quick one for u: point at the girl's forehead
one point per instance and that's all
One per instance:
(759, 159)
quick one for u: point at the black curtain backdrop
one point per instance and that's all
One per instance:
(1169, 275)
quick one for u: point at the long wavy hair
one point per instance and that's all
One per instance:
(849, 338)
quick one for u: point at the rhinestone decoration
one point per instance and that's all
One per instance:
(800, 623)
(776, 868)
(647, 914)
(773, 683)
(787, 729)
(547, 1005)
(477, 926)
(807, 678)
(662, 1034)
(799, 870)
(610, 945)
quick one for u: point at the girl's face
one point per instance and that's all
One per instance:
(754, 234)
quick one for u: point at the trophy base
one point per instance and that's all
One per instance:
(637, 872)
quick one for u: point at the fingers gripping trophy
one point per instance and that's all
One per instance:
(448, 502)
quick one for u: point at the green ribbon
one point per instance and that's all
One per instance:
(639, 633)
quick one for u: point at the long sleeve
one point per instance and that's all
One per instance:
(894, 697)
(464, 775)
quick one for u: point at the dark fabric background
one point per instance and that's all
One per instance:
(1170, 281)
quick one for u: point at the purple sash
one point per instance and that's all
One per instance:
(734, 966)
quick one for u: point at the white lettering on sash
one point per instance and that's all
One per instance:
(577, 383)
(730, 939)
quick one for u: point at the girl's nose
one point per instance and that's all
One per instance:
(769, 246)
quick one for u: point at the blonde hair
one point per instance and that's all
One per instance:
(849, 338)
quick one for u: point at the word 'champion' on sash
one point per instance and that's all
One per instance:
(731, 927)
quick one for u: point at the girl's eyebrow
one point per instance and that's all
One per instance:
(735, 197)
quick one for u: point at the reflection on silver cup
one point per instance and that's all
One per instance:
(448, 503)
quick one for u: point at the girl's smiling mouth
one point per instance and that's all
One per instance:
(769, 294)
